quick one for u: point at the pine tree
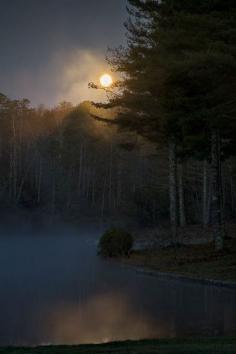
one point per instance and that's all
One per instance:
(178, 84)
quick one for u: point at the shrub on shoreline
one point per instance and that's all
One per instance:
(115, 243)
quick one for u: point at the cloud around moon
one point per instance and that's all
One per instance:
(76, 71)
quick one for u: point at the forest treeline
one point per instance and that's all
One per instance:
(62, 162)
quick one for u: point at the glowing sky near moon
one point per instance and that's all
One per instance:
(51, 49)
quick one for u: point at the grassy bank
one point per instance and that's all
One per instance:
(188, 346)
(196, 261)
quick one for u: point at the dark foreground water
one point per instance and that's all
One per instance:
(56, 290)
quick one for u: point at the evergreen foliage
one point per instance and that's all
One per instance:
(178, 84)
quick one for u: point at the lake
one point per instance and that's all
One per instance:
(54, 289)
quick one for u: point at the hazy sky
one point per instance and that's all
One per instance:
(51, 49)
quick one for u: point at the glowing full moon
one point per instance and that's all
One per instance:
(106, 80)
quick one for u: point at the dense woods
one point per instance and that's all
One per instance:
(63, 162)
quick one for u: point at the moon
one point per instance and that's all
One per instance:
(106, 80)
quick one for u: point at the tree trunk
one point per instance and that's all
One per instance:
(39, 182)
(14, 159)
(103, 198)
(173, 189)
(205, 195)
(182, 216)
(232, 202)
(110, 178)
(217, 214)
(80, 169)
(69, 184)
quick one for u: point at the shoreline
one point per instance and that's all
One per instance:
(176, 276)
(194, 263)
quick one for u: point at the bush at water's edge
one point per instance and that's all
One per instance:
(115, 243)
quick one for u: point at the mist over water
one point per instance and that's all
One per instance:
(54, 289)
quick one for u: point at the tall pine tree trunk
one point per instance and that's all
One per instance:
(217, 213)
(232, 193)
(182, 216)
(14, 159)
(205, 208)
(173, 189)
(111, 202)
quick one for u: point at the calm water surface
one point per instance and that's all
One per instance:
(56, 290)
